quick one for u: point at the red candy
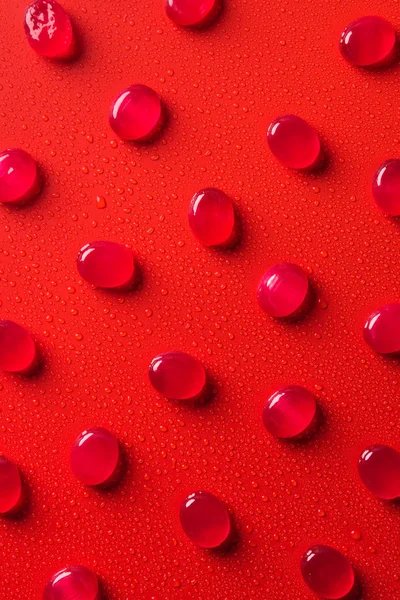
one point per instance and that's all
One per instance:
(386, 187)
(327, 572)
(379, 469)
(107, 265)
(10, 487)
(17, 348)
(205, 520)
(212, 217)
(49, 30)
(73, 583)
(19, 178)
(283, 290)
(289, 412)
(294, 142)
(382, 329)
(95, 457)
(368, 41)
(192, 13)
(137, 113)
(177, 375)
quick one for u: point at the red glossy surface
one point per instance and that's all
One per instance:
(386, 187)
(10, 486)
(19, 180)
(48, 29)
(192, 13)
(379, 469)
(17, 348)
(73, 583)
(294, 142)
(382, 329)
(327, 572)
(212, 217)
(136, 113)
(95, 457)
(283, 290)
(106, 264)
(368, 41)
(177, 375)
(205, 519)
(289, 412)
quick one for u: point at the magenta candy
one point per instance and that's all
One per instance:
(327, 572)
(10, 487)
(379, 469)
(192, 13)
(382, 329)
(49, 30)
(73, 583)
(289, 412)
(205, 520)
(294, 142)
(177, 375)
(368, 41)
(107, 265)
(386, 187)
(95, 457)
(19, 178)
(137, 114)
(17, 348)
(212, 217)
(283, 290)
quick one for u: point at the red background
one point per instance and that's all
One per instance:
(222, 87)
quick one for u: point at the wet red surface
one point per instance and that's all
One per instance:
(222, 87)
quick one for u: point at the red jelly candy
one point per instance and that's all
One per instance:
(177, 375)
(283, 290)
(212, 217)
(19, 178)
(49, 30)
(205, 520)
(379, 469)
(192, 13)
(368, 41)
(382, 329)
(294, 142)
(73, 583)
(289, 412)
(327, 572)
(17, 348)
(386, 187)
(95, 457)
(10, 487)
(107, 265)
(137, 113)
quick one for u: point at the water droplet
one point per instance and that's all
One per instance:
(19, 178)
(212, 217)
(49, 30)
(17, 348)
(290, 412)
(107, 265)
(283, 290)
(294, 142)
(177, 375)
(379, 469)
(137, 114)
(327, 572)
(368, 41)
(205, 519)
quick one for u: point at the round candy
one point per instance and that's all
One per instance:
(95, 457)
(137, 113)
(283, 290)
(49, 30)
(192, 13)
(73, 583)
(294, 142)
(382, 329)
(289, 412)
(327, 572)
(19, 178)
(10, 486)
(386, 187)
(379, 469)
(368, 41)
(212, 217)
(205, 520)
(17, 348)
(107, 265)
(177, 375)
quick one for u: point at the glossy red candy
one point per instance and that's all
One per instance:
(283, 290)
(382, 329)
(73, 583)
(386, 187)
(17, 348)
(327, 572)
(294, 142)
(379, 469)
(19, 178)
(95, 457)
(107, 265)
(192, 13)
(212, 217)
(137, 114)
(49, 30)
(368, 41)
(177, 375)
(10, 487)
(205, 520)
(289, 412)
